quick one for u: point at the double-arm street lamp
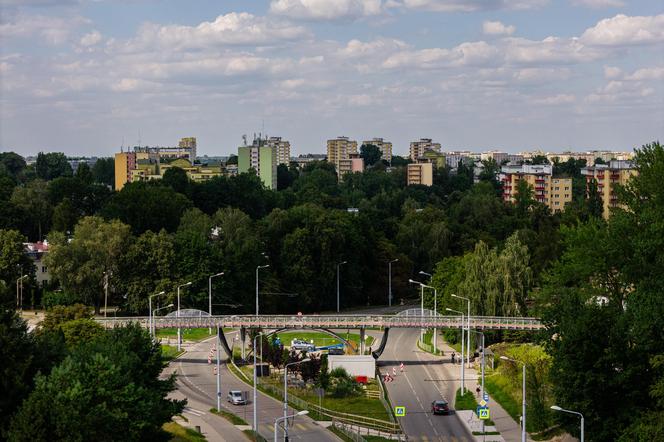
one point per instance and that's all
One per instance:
(389, 281)
(338, 266)
(157, 309)
(255, 383)
(467, 326)
(150, 312)
(285, 418)
(257, 269)
(523, 396)
(557, 408)
(421, 305)
(286, 394)
(210, 296)
(463, 371)
(435, 308)
(178, 315)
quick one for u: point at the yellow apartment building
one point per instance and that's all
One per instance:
(555, 193)
(384, 146)
(420, 173)
(417, 148)
(607, 176)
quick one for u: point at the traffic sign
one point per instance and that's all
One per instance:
(486, 396)
(482, 403)
(399, 411)
(484, 413)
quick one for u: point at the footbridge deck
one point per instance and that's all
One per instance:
(330, 322)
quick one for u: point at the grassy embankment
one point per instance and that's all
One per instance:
(181, 434)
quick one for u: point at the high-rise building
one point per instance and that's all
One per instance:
(189, 143)
(417, 148)
(260, 157)
(350, 165)
(338, 149)
(282, 149)
(553, 192)
(384, 146)
(420, 173)
(607, 176)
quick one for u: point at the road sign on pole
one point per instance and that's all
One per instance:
(486, 396)
(399, 411)
(484, 413)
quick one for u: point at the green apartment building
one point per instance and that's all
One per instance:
(261, 158)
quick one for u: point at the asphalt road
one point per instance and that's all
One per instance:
(197, 381)
(425, 378)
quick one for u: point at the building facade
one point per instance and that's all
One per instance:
(420, 174)
(417, 148)
(555, 193)
(37, 252)
(350, 165)
(281, 148)
(260, 157)
(384, 146)
(607, 176)
(339, 150)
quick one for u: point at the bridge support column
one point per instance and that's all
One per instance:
(362, 340)
(243, 338)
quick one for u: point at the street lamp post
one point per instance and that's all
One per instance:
(178, 315)
(19, 297)
(286, 393)
(421, 306)
(463, 371)
(523, 397)
(389, 279)
(210, 297)
(255, 382)
(257, 269)
(218, 344)
(160, 308)
(467, 327)
(105, 293)
(285, 418)
(435, 308)
(557, 408)
(150, 312)
(339, 265)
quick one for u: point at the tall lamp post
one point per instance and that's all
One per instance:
(255, 382)
(389, 279)
(257, 269)
(523, 397)
(160, 308)
(557, 408)
(286, 394)
(463, 372)
(150, 312)
(178, 315)
(467, 326)
(285, 418)
(105, 293)
(338, 266)
(210, 297)
(19, 297)
(421, 306)
(435, 308)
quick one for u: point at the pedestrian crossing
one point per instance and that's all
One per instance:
(193, 411)
(439, 439)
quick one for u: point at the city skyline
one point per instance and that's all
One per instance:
(509, 75)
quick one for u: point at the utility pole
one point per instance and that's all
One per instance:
(389, 279)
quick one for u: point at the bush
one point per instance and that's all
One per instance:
(342, 384)
(60, 314)
(52, 299)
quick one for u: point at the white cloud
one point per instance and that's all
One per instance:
(599, 3)
(497, 28)
(326, 9)
(612, 72)
(229, 29)
(656, 73)
(556, 100)
(53, 30)
(551, 50)
(381, 46)
(472, 5)
(624, 30)
(90, 39)
(466, 54)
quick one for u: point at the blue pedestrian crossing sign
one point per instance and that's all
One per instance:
(483, 413)
(399, 411)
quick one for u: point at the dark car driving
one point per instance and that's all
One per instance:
(440, 407)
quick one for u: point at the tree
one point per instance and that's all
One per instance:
(65, 216)
(60, 314)
(286, 176)
(34, 206)
(84, 173)
(594, 204)
(108, 389)
(13, 164)
(95, 247)
(13, 264)
(370, 153)
(52, 165)
(176, 178)
(103, 171)
(80, 331)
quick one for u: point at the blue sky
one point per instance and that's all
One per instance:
(81, 76)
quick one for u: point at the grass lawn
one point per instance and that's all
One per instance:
(254, 436)
(468, 402)
(233, 419)
(181, 434)
(340, 434)
(321, 339)
(498, 387)
(169, 352)
(188, 334)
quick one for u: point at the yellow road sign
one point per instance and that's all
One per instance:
(484, 413)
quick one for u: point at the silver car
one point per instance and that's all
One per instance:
(236, 397)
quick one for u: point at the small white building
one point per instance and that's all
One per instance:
(355, 365)
(37, 252)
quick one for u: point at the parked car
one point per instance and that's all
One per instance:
(440, 407)
(336, 351)
(299, 344)
(236, 397)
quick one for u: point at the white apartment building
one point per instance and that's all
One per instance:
(417, 148)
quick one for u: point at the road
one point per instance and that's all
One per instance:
(197, 381)
(425, 378)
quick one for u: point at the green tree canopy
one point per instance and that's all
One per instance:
(371, 154)
(52, 165)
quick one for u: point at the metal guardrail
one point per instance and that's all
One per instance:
(330, 322)
(354, 432)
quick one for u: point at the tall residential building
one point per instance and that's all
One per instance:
(420, 173)
(189, 143)
(553, 192)
(607, 175)
(260, 157)
(417, 148)
(350, 165)
(340, 148)
(384, 146)
(282, 149)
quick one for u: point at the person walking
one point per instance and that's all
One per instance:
(453, 357)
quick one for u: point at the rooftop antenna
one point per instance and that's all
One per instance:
(244, 138)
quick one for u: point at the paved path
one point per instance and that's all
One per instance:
(197, 381)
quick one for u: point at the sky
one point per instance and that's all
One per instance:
(86, 77)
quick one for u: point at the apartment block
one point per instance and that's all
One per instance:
(417, 148)
(607, 176)
(350, 165)
(453, 158)
(340, 148)
(555, 193)
(384, 146)
(420, 173)
(281, 148)
(261, 158)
